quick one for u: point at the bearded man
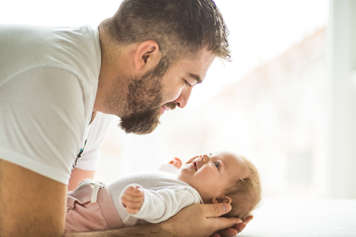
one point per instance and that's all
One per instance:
(54, 81)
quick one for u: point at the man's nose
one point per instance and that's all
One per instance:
(182, 100)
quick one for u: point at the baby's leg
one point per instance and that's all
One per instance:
(82, 214)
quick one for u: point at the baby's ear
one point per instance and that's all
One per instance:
(225, 199)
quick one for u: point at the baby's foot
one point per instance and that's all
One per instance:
(176, 162)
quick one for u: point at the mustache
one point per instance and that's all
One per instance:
(171, 105)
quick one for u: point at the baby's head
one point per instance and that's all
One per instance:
(223, 176)
(245, 194)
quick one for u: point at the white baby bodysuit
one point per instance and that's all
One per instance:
(164, 196)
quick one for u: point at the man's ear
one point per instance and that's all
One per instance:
(147, 55)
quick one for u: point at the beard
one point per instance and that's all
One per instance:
(144, 101)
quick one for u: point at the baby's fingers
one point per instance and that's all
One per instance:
(133, 209)
(133, 190)
(132, 199)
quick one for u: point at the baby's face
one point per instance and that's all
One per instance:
(213, 174)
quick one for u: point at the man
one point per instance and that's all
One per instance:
(142, 61)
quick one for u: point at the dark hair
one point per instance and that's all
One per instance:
(178, 26)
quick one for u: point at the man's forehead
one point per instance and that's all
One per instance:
(198, 63)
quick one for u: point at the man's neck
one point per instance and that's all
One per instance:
(111, 75)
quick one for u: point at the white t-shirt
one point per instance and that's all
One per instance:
(48, 83)
(96, 132)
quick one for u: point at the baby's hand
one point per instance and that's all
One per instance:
(132, 199)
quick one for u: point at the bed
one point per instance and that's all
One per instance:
(299, 218)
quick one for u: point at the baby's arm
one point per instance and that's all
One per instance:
(155, 206)
(172, 167)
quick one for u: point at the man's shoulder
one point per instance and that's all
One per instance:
(73, 48)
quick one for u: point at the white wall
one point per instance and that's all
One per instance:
(341, 128)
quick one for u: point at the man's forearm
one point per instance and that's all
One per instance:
(153, 230)
(31, 205)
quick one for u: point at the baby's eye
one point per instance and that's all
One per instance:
(217, 164)
(187, 83)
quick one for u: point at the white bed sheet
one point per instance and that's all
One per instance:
(299, 218)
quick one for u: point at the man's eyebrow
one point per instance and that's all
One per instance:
(195, 77)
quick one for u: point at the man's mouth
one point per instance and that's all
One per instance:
(168, 106)
(163, 109)
(195, 165)
(171, 105)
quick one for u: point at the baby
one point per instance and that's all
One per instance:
(154, 198)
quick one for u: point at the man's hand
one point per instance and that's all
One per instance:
(30, 204)
(232, 231)
(132, 199)
(200, 220)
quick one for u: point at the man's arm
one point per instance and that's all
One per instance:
(30, 204)
(77, 176)
(152, 230)
(198, 220)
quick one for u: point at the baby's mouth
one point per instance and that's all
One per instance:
(195, 165)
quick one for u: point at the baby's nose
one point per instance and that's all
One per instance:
(204, 158)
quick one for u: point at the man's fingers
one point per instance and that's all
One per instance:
(221, 223)
(216, 209)
(216, 235)
(229, 232)
(248, 219)
(213, 212)
(240, 226)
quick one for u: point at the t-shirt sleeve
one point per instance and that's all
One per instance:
(42, 121)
